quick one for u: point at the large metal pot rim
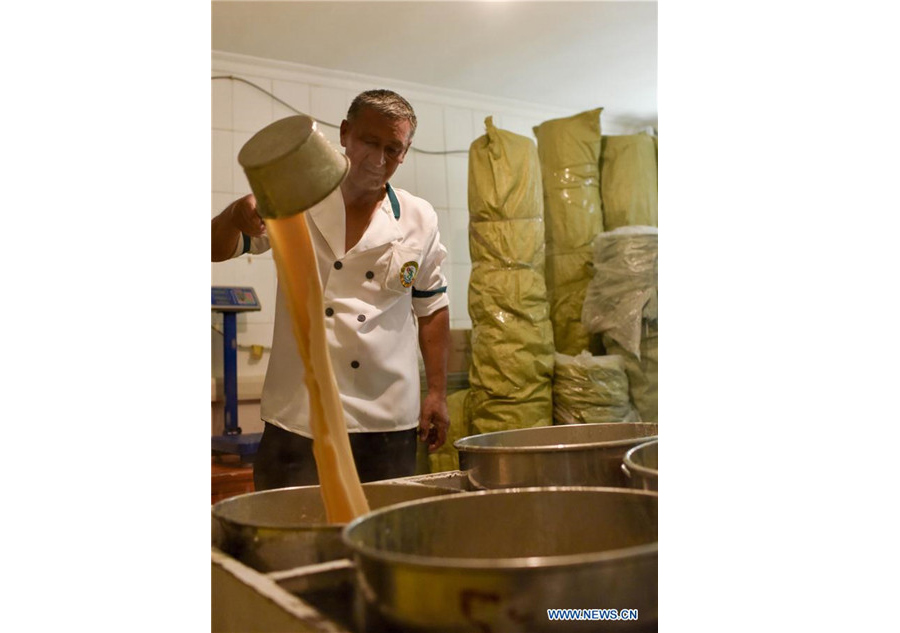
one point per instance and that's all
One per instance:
(490, 564)
(219, 510)
(634, 467)
(461, 445)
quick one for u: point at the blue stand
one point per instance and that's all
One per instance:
(232, 441)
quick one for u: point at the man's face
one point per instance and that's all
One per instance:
(376, 147)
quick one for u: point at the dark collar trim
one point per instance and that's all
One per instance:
(395, 204)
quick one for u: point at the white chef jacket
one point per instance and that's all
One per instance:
(373, 295)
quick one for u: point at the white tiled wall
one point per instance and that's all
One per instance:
(296, 94)
(446, 122)
(252, 109)
(431, 180)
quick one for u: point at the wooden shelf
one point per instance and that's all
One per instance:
(230, 477)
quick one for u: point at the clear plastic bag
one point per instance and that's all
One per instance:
(623, 291)
(591, 389)
(642, 371)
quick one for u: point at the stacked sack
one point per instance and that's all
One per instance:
(512, 339)
(628, 180)
(591, 389)
(569, 150)
(622, 305)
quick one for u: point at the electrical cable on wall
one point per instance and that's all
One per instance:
(293, 109)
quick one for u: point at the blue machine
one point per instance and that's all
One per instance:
(229, 301)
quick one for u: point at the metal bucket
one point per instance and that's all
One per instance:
(640, 466)
(279, 529)
(291, 166)
(568, 455)
(498, 560)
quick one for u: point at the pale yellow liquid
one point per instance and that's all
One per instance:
(298, 274)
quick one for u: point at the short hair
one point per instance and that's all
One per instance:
(385, 102)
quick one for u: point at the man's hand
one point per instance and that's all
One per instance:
(239, 216)
(434, 421)
(245, 217)
(434, 341)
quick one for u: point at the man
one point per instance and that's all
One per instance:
(379, 255)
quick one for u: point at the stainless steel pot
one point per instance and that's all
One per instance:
(498, 560)
(640, 466)
(568, 455)
(284, 528)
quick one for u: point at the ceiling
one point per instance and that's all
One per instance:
(571, 55)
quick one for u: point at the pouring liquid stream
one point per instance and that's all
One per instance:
(298, 272)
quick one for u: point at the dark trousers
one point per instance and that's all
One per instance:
(285, 459)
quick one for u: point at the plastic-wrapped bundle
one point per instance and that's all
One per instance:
(569, 150)
(628, 181)
(591, 389)
(623, 291)
(641, 370)
(447, 457)
(512, 339)
(622, 304)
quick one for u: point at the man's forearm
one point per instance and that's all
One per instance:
(225, 235)
(434, 340)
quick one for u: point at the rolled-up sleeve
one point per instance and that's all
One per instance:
(252, 245)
